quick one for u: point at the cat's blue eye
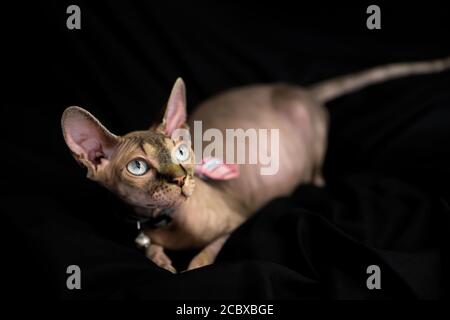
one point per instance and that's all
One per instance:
(137, 167)
(182, 152)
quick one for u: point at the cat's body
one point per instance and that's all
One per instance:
(204, 217)
(283, 107)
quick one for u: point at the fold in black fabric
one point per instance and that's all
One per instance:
(332, 235)
(387, 165)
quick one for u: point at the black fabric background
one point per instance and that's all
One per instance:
(387, 167)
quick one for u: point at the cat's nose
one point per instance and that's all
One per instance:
(178, 180)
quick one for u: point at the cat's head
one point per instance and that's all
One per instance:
(151, 170)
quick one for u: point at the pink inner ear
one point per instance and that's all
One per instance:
(214, 169)
(85, 137)
(175, 115)
(175, 118)
(92, 148)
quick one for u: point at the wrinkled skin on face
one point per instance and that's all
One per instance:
(166, 183)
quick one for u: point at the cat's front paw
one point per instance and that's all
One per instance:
(204, 258)
(156, 253)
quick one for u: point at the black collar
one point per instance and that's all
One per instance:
(163, 218)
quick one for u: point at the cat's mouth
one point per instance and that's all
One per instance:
(161, 201)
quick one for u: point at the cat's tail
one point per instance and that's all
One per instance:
(331, 89)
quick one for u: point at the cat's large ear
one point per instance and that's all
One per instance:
(175, 115)
(90, 142)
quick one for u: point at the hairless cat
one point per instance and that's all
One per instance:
(154, 170)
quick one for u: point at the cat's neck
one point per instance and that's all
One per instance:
(208, 214)
(212, 204)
